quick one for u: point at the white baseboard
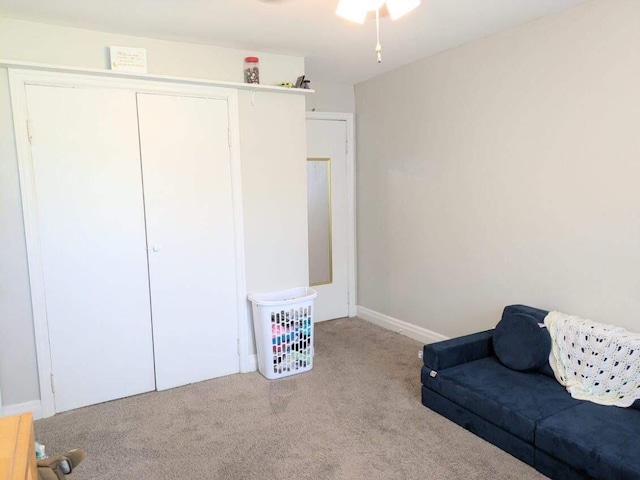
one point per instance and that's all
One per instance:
(252, 364)
(35, 407)
(420, 334)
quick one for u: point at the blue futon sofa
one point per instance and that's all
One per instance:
(529, 415)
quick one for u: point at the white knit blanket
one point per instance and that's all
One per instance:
(595, 361)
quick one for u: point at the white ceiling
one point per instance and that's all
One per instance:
(336, 50)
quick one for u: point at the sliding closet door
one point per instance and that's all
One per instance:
(85, 156)
(188, 202)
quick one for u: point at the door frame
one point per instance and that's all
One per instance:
(351, 199)
(18, 80)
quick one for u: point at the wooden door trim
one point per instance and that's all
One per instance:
(351, 200)
(18, 80)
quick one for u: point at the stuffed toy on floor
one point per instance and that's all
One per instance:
(57, 466)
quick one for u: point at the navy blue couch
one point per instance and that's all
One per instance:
(529, 415)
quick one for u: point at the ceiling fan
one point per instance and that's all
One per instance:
(357, 10)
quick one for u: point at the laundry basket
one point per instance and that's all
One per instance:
(283, 324)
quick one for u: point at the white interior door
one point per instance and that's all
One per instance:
(86, 166)
(328, 216)
(188, 203)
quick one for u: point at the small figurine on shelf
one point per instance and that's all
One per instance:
(302, 83)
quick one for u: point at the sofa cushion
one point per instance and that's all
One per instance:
(601, 440)
(521, 343)
(553, 468)
(483, 428)
(547, 370)
(536, 313)
(456, 351)
(509, 399)
(539, 315)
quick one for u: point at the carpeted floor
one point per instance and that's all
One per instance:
(356, 415)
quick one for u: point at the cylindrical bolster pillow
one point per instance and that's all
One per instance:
(520, 343)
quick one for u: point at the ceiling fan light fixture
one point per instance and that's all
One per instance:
(356, 10)
(398, 8)
(351, 10)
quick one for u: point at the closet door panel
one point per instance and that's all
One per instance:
(191, 248)
(85, 156)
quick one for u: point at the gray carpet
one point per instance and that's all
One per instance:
(356, 415)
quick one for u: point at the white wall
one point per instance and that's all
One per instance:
(38, 42)
(506, 171)
(18, 368)
(273, 172)
(274, 184)
(332, 97)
